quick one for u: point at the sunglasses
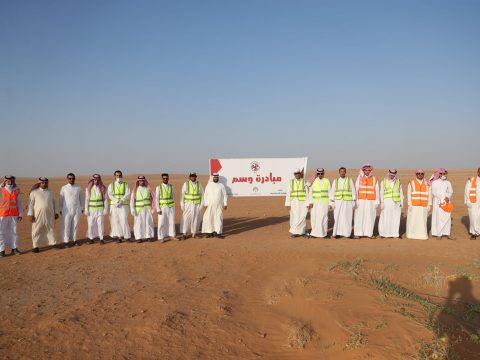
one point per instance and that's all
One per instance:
(71, 178)
(420, 173)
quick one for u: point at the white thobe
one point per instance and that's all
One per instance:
(417, 216)
(8, 226)
(318, 214)
(42, 206)
(215, 199)
(389, 223)
(119, 227)
(343, 209)
(95, 218)
(441, 220)
(71, 205)
(473, 208)
(166, 215)
(191, 212)
(298, 213)
(143, 226)
(365, 213)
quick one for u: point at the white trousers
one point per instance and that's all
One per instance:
(70, 221)
(166, 223)
(8, 232)
(95, 225)
(143, 225)
(119, 227)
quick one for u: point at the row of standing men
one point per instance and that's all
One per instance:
(117, 200)
(357, 203)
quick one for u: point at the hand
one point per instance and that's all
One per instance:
(447, 199)
(225, 207)
(32, 218)
(19, 218)
(310, 206)
(288, 208)
(118, 204)
(56, 216)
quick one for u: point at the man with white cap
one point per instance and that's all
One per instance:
(42, 210)
(191, 202)
(142, 205)
(441, 196)
(214, 201)
(342, 200)
(96, 207)
(119, 194)
(367, 203)
(165, 209)
(318, 204)
(71, 208)
(391, 197)
(472, 200)
(10, 214)
(419, 204)
(296, 203)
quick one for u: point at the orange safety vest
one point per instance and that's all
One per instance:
(8, 202)
(473, 190)
(419, 193)
(366, 188)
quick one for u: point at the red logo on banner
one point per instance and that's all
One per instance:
(254, 166)
(215, 166)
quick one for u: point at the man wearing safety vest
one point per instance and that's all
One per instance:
(391, 197)
(318, 204)
(165, 209)
(191, 202)
(119, 195)
(142, 206)
(96, 207)
(419, 205)
(342, 200)
(296, 203)
(368, 200)
(10, 214)
(472, 200)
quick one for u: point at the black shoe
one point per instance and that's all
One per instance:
(59, 246)
(91, 241)
(36, 250)
(119, 241)
(152, 240)
(209, 235)
(102, 242)
(71, 244)
(400, 237)
(140, 241)
(337, 236)
(2, 253)
(76, 243)
(473, 237)
(15, 252)
(220, 236)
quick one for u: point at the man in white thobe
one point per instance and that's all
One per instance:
(191, 202)
(391, 198)
(318, 199)
(119, 195)
(472, 200)
(342, 200)
(142, 204)
(214, 201)
(441, 193)
(165, 209)
(42, 210)
(71, 208)
(368, 200)
(297, 204)
(10, 214)
(419, 205)
(96, 207)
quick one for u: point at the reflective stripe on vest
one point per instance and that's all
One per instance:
(95, 203)
(419, 193)
(366, 188)
(320, 190)
(165, 198)
(345, 193)
(8, 202)
(118, 192)
(193, 193)
(298, 191)
(473, 190)
(142, 202)
(389, 193)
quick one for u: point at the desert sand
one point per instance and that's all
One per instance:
(257, 294)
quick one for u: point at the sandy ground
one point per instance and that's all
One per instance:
(256, 294)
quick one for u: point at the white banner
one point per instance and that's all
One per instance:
(257, 177)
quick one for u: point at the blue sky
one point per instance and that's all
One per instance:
(153, 86)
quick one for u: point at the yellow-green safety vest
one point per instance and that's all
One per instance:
(345, 193)
(298, 191)
(142, 202)
(389, 193)
(320, 190)
(193, 193)
(118, 192)
(165, 198)
(95, 202)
